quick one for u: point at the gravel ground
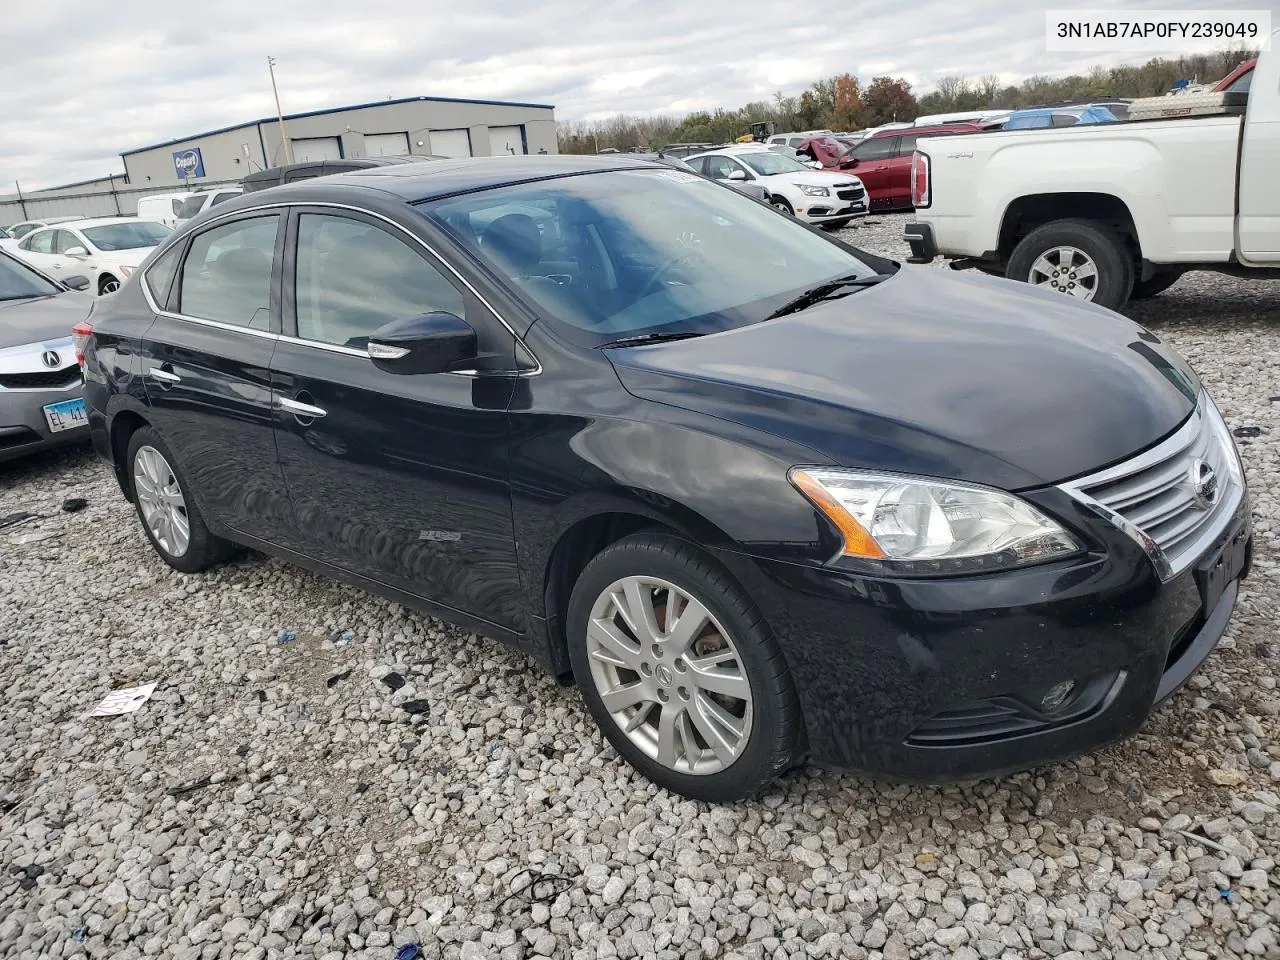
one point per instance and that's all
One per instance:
(278, 799)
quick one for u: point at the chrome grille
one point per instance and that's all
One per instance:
(1161, 497)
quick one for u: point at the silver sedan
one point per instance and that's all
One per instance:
(41, 390)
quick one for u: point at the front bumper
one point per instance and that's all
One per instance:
(937, 680)
(23, 427)
(843, 203)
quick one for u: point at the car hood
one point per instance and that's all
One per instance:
(931, 373)
(126, 258)
(41, 318)
(817, 178)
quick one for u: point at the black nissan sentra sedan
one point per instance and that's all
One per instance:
(763, 496)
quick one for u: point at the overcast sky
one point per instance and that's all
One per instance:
(80, 82)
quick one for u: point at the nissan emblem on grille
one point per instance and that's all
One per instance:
(1204, 484)
(50, 359)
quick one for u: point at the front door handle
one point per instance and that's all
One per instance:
(298, 408)
(164, 376)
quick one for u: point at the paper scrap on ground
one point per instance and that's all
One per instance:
(123, 701)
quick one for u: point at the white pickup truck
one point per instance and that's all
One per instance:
(1108, 212)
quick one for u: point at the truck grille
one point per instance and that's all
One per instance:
(851, 193)
(1174, 498)
(44, 380)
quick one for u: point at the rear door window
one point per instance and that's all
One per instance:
(227, 274)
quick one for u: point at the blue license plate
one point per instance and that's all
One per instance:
(66, 415)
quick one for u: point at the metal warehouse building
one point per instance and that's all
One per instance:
(415, 125)
(441, 126)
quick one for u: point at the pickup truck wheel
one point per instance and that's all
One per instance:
(1160, 281)
(1080, 258)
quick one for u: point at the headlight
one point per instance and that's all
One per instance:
(809, 191)
(921, 526)
(125, 272)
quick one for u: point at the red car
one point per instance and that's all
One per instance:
(1238, 80)
(882, 161)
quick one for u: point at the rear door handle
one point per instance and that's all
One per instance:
(164, 376)
(298, 408)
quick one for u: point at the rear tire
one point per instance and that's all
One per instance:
(169, 516)
(1098, 269)
(720, 692)
(1160, 281)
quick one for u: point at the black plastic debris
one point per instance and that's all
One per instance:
(30, 875)
(337, 678)
(361, 788)
(1247, 431)
(74, 504)
(13, 519)
(184, 789)
(393, 680)
(415, 706)
(410, 951)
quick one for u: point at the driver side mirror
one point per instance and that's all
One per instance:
(77, 253)
(76, 282)
(851, 161)
(737, 175)
(433, 343)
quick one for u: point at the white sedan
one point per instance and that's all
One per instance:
(815, 196)
(106, 250)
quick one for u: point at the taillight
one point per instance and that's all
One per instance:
(920, 179)
(80, 334)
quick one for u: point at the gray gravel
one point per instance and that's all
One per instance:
(324, 820)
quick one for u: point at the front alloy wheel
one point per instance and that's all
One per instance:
(680, 670)
(669, 675)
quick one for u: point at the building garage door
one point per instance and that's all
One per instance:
(508, 140)
(386, 144)
(451, 143)
(316, 148)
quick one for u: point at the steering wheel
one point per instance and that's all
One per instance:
(686, 257)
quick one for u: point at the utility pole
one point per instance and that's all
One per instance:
(22, 204)
(284, 138)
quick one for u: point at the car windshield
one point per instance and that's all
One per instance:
(769, 162)
(20, 282)
(621, 254)
(126, 236)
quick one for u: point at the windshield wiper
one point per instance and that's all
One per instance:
(644, 338)
(824, 290)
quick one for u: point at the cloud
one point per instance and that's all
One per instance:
(76, 89)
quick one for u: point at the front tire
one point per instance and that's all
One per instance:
(703, 705)
(170, 519)
(782, 206)
(1081, 258)
(107, 284)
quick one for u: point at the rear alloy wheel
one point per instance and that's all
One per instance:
(782, 206)
(679, 671)
(170, 520)
(1081, 258)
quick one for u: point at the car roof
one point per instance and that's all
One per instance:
(418, 182)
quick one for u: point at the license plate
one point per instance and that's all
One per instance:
(1215, 573)
(66, 415)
